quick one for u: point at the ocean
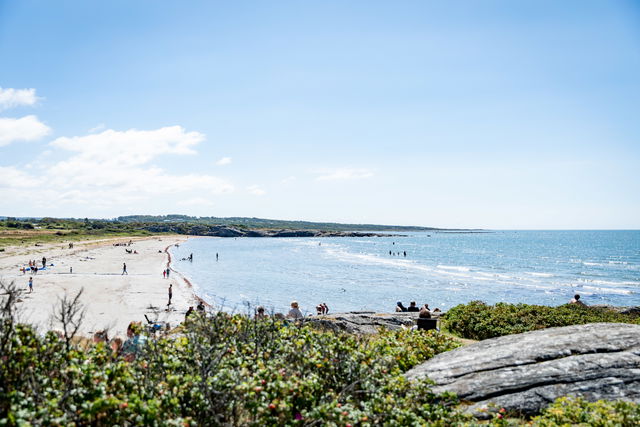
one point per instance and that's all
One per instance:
(442, 269)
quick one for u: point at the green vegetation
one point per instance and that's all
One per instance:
(477, 320)
(260, 223)
(51, 230)
(221, 370)
(578, 412)
(226, 369)
(15, 231)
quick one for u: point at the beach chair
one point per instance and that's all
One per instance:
(427, 324)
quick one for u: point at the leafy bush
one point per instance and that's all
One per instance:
(575, 411)
(477, 320)
(222, 370)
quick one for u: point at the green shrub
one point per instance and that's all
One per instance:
(223, 370)
(575, 411)
(477, 320)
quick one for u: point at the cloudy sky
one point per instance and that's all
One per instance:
(492, 114)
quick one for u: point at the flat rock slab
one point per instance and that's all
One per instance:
(364, 322)
(526, 372)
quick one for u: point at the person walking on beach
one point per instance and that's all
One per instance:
(124, 269)
(164, 274)
(170, 294)
(44, 262)
(168, 271)
(30, 284)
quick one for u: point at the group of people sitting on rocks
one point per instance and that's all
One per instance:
(293, 314)
(425, 311)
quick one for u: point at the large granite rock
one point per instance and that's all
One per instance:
(364, 322)
(526, 372)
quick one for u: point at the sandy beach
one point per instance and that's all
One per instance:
(111, 299)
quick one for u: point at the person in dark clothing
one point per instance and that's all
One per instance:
(413, 307)
(400, 308)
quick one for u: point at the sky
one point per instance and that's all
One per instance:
(490, 114)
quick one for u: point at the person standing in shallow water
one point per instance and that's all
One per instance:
(124, 269)
(216, 256)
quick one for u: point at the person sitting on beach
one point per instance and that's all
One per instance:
(319, 310)
(188, 313)
(436, 310)
(200, 306)
(134, 343)
(295, 312)
(413, 307)
(400, 308)
(260, 315)
(576, 300)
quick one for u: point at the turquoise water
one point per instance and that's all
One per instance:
(442, 269)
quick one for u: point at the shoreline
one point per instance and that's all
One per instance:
(186, 281)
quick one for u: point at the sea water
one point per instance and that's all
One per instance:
(442, 269)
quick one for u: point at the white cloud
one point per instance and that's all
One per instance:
(256, 190)
(112, 170)
(10, 98)
(12, 178)
(343, 174)
(288, 180)
(130, 148)
(196, 201)
(224, 161)
(97, 128)
(27, 128)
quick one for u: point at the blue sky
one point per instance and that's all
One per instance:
(492, 114)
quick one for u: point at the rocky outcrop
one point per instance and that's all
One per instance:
(622, 310)
(363, 322)
(226, 231)
(526, 372)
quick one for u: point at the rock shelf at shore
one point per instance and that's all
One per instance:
(364, 322)
(524, 373)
